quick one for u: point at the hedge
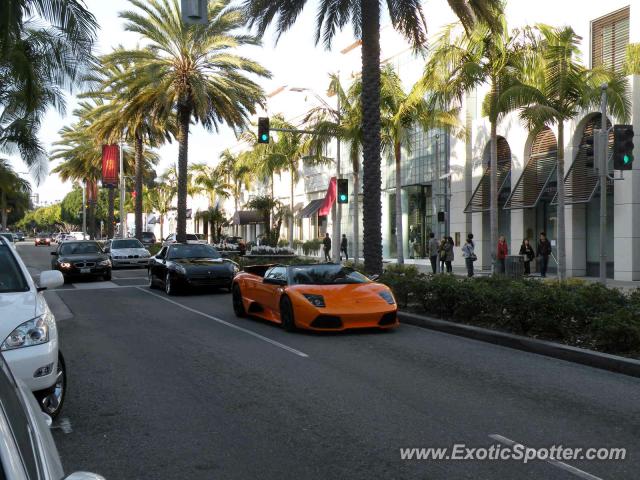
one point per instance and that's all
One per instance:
(573, 312)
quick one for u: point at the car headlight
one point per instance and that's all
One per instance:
(65, 265)
(315, 300)
(180, 269)
(31, 332)
(105, 263)
(388, 297)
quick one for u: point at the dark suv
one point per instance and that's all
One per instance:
(148, 238)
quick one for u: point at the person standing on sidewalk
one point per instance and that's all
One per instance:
(501, 257)
(448, 253)
(434, 248)
(442, 253)
(543, 252)
(526, 250)
(468, 252)
(343, 247)
(327, 247)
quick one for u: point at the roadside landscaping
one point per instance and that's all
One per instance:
(573, 312)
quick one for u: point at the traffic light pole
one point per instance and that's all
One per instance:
(123, 215)
(337, 212)
(603, 172)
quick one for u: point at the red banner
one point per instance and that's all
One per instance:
(110, 164)
(329, 199)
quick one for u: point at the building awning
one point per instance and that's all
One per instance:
(152, 219)
(480, 200)
(247, 217)
(311, 208)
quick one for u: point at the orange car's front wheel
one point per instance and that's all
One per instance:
(286, 315)
(238, 306)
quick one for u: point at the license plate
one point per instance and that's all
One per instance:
(85, 270)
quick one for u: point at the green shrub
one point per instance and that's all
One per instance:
(617, 332)
(405, 281)
(311, 247)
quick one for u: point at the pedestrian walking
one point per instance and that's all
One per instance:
(434, 249)
(543, 252)
(343, 247)
(468, 252)
(501, 256)
(327, 247)
(442, 253)
(526, 250)
(448, 253)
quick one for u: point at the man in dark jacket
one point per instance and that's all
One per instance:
(327, 247)
(343, 247)
(543, 252)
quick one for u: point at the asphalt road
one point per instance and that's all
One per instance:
(178, 388)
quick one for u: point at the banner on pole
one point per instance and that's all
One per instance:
(110, 165)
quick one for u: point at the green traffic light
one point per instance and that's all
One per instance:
(626, 159)
(264, 137)
(343, 198)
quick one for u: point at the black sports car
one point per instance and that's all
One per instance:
(187, 266)
(82, 258)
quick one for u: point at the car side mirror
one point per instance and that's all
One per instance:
(50, 279)
(84, 476)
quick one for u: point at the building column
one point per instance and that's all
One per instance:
(626, 227)
(386, 234)
(576, 239)
(517, 231)
(404, 199)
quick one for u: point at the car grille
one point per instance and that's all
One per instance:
(84, 264)
(326, 321)
(388, 319)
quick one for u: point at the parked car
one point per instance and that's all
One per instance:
(19, 236)
(191, 238)
(128, 252)
(314, 297)
(9, 236)
(27, 448)
(43, 239)
(28, 330)
(182, 265)
(148, 239)
(79, 235)
(81, 259)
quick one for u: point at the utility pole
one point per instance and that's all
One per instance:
(123, 214)
(84, 210)
(435, 194)
(603, 170)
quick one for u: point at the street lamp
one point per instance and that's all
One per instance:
(337, 211)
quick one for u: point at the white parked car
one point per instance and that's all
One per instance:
(78, 236)
(28, 331)
(127, 252)
(27, 449)
(191, 238)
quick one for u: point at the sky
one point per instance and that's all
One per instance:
(294, 60)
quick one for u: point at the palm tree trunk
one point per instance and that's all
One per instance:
(5, 213)
(399, 240)
(493, 194)
(291, 203)
(236, 201)
(372, 177)
(138, 200)
(111, 198)
(562, 255)
(356, 216)
(161, 227)
(184, 117)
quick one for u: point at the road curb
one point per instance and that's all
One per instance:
(604, 361)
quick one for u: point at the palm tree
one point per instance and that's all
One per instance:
(11, 186)
(401, 112)
(159, 198)
(118, 118)
(460, 64)
(39, 58)
(207, 180)
(190, 72)
(557, 91)
(238, 171)
(407, 17)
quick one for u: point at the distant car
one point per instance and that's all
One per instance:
(128, 252)
(8, 235)
(27, 448)
(81, 259)
(28, 331)
(148, 238)
(43, 239)
(79, 235)
(324, 297)
(19, 236)
(191, 238)
(181, 265)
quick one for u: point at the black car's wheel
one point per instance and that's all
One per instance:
(169, 286)
(52, 399)
(107, 276)
(286, 315)
(238, 306)
(152, 280)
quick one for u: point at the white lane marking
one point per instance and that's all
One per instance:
(88, 287)
(231, 325)
(556, 463)
(131, 278)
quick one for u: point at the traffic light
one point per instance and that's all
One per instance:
(263, 130)
(194, 11)
(343, 190)
(588, 145)
(622, 147)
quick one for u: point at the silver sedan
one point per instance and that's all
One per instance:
(127, 252)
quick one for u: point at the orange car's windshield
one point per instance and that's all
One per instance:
(325, 275)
